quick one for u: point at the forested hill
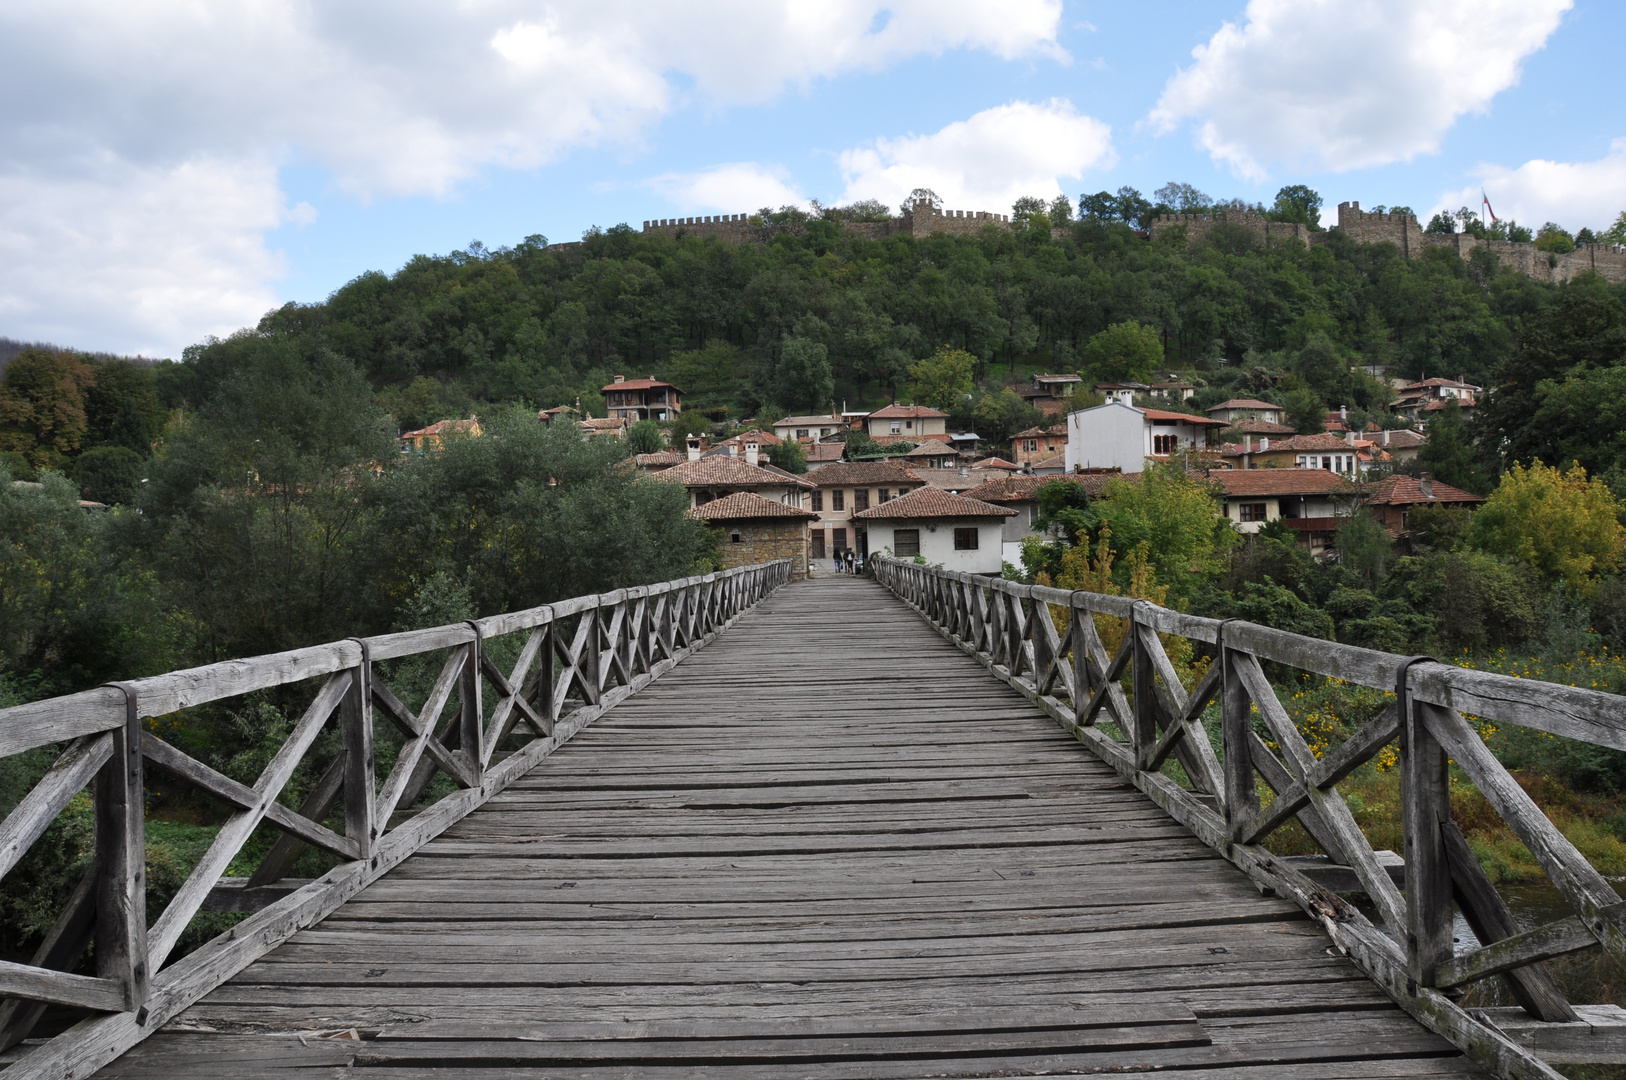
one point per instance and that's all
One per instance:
(549, 324)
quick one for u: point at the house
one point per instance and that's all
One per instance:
(1174, 389)
(603, 427)
(943, 528)
(931, 454)
(841, 491)
(1049, 393)
(735, 446)
(957, 478)
(820, 454)
(1050, 466)
(548, 416)
(1258, 428)
(809, 428)
(435, 435)
(1123, 392)
(965, 442)
(757, 529)
(1307, 498)
(1020, 493)
(1401, 445)
(719, 476)
(1417, 400)
(1392, 499)
(1345, 454)
(659, 461)
(642, 399)
(1036, 444)
(1119, 436)
(1246, 409)
(897, 423)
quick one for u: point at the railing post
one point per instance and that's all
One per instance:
(121, 864)
(1236, 724)
(1425, 807)
(1080, 638)
(356, 730)
(1143, 715)
(469, 715)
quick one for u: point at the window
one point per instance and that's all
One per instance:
(910, 424)
(1251, 512)
(838, 499)
(838, 540)
(965, 539)
(735, 537)
(818, 501)
(906, 543)
(882, 495)
(1030, 445)
(1165, 444)
(1326, 463)
(818, 544)
(897, 426)
(801, 433)
(860, 499)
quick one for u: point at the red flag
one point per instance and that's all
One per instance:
(1486, 200)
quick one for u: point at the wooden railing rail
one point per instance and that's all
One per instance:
(480, 725)
(1012, 629)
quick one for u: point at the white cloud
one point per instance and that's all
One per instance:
(115, 101)
(985, 162)
(1346, 84)
(1572, 193)
(739, 187)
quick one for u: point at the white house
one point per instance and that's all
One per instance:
(1309, 499)
(1122, 437)
(808, 428)
(945, 529)
(1246, 409)
(906, 422)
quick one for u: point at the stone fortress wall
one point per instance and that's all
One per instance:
(923, 219)
(1403, 232)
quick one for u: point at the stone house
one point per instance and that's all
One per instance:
(842, 490)
(1309, 499)
(603, 427)
(1344, 454)
(1036, 444)
(642, 399)
(433, 437)
(912, 423)
(943, 528)
(1247, 409)
(754, 529)
(1419, 400)
(1392, 499)
(711, 478)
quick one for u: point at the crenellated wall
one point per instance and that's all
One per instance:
(1199, 226)
(923, 219)
(1403, 232)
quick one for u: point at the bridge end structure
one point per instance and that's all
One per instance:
(1130, 706)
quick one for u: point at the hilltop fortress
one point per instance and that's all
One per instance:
(923, 219)
(1403, 232)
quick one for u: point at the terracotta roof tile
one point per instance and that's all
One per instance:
(931, 502)
(1024, 488)
(724, 471)
(1409, 490)
(1245, 403)
(824, 451)
(931, 448)
(639, 384)
(1184, 418)
(1245, 482)
(846, 473)
(1254, 426)
(903, 411)
(660, 458)
(746, 506)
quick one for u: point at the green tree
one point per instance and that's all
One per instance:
(109, 474)
(1177, 516)
(799, 379)
(644, 437)
(1364, 547)
(1448, 454)
(710, 375)
(1001, 414)
(1616, 233)
(42, 402)
(940, 380)
(1554, 238)
(789, 456)
(1306, 411)
(1124, 352)
(1564, 525)
(1298, 203)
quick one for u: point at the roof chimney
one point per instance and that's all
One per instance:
(1349, 436)
(1426, 482)
(1385, 436)
(751, 452)
(693, 443)
(1264, 443)
(1343, 412)
(618, 378)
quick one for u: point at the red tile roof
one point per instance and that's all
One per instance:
(443, 427)
(848, 473)
(1246, 482)
(1008, 489)
(901, 411)
(639, 384)
(1245, 403)
(823, 451)
(1411, 490)
(999, 464)
(660, 459)
(1255, 426)
(1307, 443)
(931, 502)
(1184, 418)
(931, 448)
(747, 506)
(724, 471)
(603, 423)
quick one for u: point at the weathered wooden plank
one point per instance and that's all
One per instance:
(40, 723)
(66, 777)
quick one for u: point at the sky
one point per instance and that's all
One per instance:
(173, 169)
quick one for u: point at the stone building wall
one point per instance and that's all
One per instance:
(923, 220)
(765, 539)
(1199, 226)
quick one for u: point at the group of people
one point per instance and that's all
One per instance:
(849, 562)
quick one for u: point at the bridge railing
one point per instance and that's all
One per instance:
(505, 692)
(1067, 671)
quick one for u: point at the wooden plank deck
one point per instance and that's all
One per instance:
(827, 845)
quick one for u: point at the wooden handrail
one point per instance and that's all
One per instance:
(579, 659)
(1010, 629)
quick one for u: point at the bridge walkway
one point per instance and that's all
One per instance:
(826, 845)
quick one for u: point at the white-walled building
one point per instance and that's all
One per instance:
(1309, 499)
(945, 529)
(1122, 437)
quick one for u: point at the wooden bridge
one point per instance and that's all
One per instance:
(827, 845)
